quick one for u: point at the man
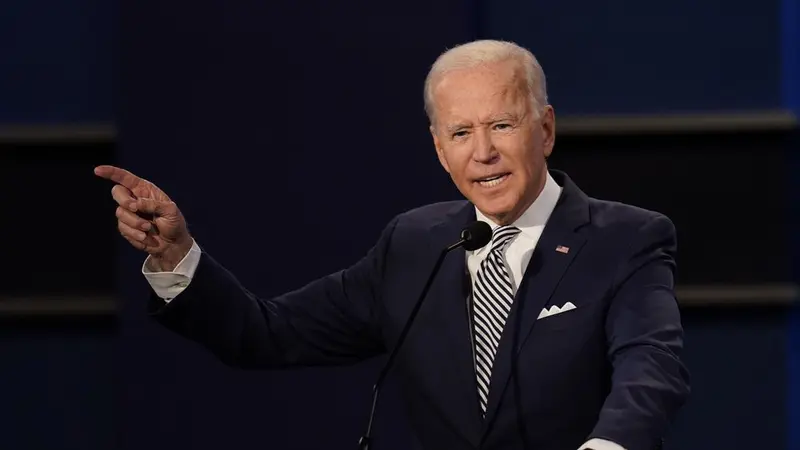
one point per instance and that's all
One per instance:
(562, 333)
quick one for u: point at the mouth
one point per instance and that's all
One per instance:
(492, 180)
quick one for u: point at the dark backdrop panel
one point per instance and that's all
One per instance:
(648, 57)
(56, 63)
(260, 118)
(57, 385)
(61, 241)
(737, 361)
(726, 194)
(793, 379)
(791, 93)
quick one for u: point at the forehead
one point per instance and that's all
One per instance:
(482, 89)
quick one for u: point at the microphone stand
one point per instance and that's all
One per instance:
(364, 442)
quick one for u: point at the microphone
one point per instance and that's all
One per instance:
(473, 237)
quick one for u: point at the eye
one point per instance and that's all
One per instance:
(502, 126)
(460, 134)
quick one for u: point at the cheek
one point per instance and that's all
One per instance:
(457, 161)
(526, 154)
(515, 150)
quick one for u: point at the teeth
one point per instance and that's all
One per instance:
(492, 181)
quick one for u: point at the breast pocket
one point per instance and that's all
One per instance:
(570, 319)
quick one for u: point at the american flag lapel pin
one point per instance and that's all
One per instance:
(563, 249)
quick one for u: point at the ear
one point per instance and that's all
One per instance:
(548, 130)
(439, 152)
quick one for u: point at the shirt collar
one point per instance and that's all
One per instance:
(534, 218)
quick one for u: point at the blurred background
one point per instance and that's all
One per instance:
(256, 115)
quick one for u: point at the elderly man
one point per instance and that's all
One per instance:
(563, 333)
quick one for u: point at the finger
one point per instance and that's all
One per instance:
(147, 244)
(138, 245)
(155, 207)
(130, 232)
(150, 243)
(129, 218)
(118, 175)
(123, 196)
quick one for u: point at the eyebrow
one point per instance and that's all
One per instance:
(497, 117)
(501, 116)
(456, 126)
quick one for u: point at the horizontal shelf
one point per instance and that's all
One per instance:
(742, 295)
(688, 296)
(57, 306)
(595, 125)
(569, 125)
(57, 133)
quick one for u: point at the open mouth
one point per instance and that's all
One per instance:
(493, 180)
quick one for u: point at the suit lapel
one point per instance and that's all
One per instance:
(545, 270)
(448, 300)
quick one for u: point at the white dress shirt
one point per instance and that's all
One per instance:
(168, 285)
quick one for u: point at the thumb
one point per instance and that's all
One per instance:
(153, 207)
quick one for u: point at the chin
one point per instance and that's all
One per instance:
(494, 203)
(495, 209)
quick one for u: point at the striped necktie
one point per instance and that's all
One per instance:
(493, 295)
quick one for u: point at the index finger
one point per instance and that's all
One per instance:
(118, 175)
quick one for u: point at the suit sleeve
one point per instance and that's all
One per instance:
(645, 336)
(332, 320)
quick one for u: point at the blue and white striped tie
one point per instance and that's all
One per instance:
(493, 295)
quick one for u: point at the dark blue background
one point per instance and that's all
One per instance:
(257, 116)
(790, 13)
(629, 56)
(56, 63)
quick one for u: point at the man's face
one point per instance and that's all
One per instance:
(490, 140)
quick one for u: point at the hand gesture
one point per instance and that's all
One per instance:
(147, 218)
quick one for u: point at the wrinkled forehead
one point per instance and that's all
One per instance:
(509, 73)
(482, 89)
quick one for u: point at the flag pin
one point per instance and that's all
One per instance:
(562, 249)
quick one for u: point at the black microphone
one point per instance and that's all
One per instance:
(473, 237)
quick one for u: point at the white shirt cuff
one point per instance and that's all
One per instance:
(601, 444)
(168, 285)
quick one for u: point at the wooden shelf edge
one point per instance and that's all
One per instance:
(569, 125)
(722, 295)
(719, 295)
(599, 125)
(58, 306)
(57, 133)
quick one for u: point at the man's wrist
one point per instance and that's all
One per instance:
(171, 257)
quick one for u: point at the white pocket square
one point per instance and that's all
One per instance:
(555, 310)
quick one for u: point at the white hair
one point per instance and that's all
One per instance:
(481, 52)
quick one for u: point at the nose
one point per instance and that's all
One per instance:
(484, 151)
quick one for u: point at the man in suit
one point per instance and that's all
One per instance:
(562, 333)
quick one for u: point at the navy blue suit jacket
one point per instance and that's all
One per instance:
(610, 368)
